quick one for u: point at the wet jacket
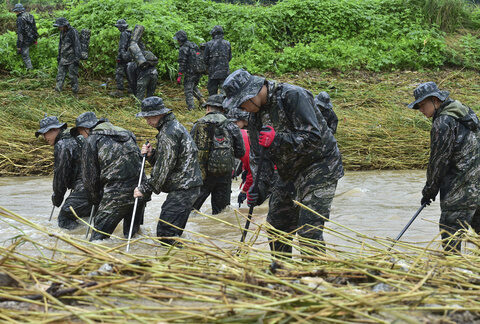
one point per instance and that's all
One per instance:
(304, 149)
(26, 30)
(111, 161)
(454, 165)
(217, 57)
(67, 165)
(123, 53)
(184, 60)
(330, 117)
(174, 161)
(69, 47)
(203, 139)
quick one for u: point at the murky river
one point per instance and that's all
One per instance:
(376, 203)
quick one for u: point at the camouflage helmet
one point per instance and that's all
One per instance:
(121, 23)
(238, 114)
(239, 87)
(215, 101)
(216, 30)
(180, 36)
(61, 22)
(425, 90)
(87, 120)
(323, 99)
(48, 123)
(18, 8)
(152, 106)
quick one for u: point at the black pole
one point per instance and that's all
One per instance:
(408, 225)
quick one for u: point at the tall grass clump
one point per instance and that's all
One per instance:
(447, 14)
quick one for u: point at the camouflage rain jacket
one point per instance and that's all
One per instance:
(124, 55)
(69, 47)
(175, 162)
(454, 166)
(26, 30)
(67, 165)
(330, 117)
(184, 60)
(111, 161)
(304, 149)
(203, 138)
(217, 56)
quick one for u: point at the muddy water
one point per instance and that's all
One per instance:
(376, 203)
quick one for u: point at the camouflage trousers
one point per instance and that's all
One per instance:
(285, 216)
(78, 200)
(213, 85)
(72, 70)
(25, 52)
(114, 208)
(120, 72)
(453, 221)
(190, 86)
(219, 188)
(146, 84)
(175, 211)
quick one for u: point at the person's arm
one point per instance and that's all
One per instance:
(77, 48)
(183, 59)
(20, 26)
(91, 170)
(62, 171)
(229, 51)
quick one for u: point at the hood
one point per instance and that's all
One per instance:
(462, 113)
(108, 129)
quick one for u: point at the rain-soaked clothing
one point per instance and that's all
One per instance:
(69, 54)
(111, 163)
(67, 175)
(217, 55)
(330, 117)
(146, 82)
(190, 78)
(26, 36)
(123, 57)
(454, 168)
(218, 185)
(176, 172)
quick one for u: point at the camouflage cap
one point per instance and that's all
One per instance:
(323, 99)
(48, 123)
(425, 90)
(216, 30)
(152, 106)
(60, 22)
(238, 114)
(18, 8)
(215, 101)
(239, 87)
(87, 120)
(121, 23)
(181, 36)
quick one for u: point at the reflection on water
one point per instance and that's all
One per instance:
(374, 203)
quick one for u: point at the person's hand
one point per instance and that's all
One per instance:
(147, 149)
(241, 197)
(267, 134)
(425, 201)
(118, 61)
(137, 193)
(179, 78)
(56, 200)
(35, 43)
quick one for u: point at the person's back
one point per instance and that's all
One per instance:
(69, 47)
(26, 29)
(217, 57)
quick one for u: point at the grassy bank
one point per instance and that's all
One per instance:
(375, 131)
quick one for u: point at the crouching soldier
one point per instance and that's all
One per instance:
(285, 120)
(175, 169)
(219, 142)
(454, 165)
(111, 164)
(66, 173)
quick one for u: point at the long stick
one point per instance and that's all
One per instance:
(136, 201)
(51, 214)
(408, 225)
(255, 188)
(90, 220)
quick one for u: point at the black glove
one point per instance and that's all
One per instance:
(425, 201)
(244, 176)
(241, 197)
(57, 200)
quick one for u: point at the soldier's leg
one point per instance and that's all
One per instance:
(175, 211)
(152, 84)
(73, 74)
(188, 85)
(139, 213)
(205, 191)
(142, 83)
(221, 193)
(78, 200)
(196, 91)
(112, 209)
(131, 71)
(62, 71)
(476, 221)
(450, 223)
(119, 73)
(212, 87)
(26, 57)
(220, 83)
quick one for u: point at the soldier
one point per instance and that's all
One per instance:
(147, 76)
(123, 56)
(68, 54)
(175, 169)
(217, 57)
(26, 33)
(187, 70)
(322, 101)
(111, 163)
(284, 120)
(66, 172)
(454, 165)
(219, 142)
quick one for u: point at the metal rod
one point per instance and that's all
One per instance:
(90, 220)
(51, 214)
(407, 226)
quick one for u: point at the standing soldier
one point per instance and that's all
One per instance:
(111, 163)
(299, 142)
(322, 100)
(219, 142)
(187, 69)
(69, 54)
(217, 57)
(454, 165)
(66, 172)
(175, 169)
(123, 56)
(26, 33)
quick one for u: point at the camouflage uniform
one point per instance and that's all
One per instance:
(111, 162)
(69, 53)
(175, 169)
(217, 55)
(454, 165)
(218, 185)
(322, 101)
(123, 56)
(304, 149)
(146, 82)
(190, 78)
(26, 33)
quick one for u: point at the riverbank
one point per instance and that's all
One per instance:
(375, 129)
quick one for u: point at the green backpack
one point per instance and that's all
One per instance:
(220, 159)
